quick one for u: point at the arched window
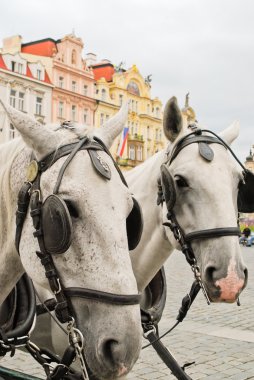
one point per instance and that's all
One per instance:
(73, 57)
(132, 152)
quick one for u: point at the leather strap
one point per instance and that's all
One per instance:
(190, 139)
(97, 295)
(166, 356)
(213, 232)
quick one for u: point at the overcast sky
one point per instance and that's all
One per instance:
(205, 47)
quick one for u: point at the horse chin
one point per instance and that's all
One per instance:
(110, 349)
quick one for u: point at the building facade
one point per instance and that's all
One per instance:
(145, 133)
(24, 84)
(249, 163)
(73, 93)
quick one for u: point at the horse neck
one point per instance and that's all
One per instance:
(154, 248)
(10, 264)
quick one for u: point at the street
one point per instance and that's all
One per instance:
(219, 338)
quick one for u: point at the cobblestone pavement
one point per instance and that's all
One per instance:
(219, 337)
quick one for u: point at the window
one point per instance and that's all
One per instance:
(103, 94)
(73, 86)
(61, 109)
(132, 105)
(156, 135)
(85, 90)
(73, 57)
(13, 98)
(21, 101)
(38, 106)
(13, 66)
(120, 99)
(20, 68)
(12, 132)
(136, 129)
(73, 113)
(139, 153)
(39, 74)
(148, 108)
(85, 117)
(137, 107)
(101, 119)
(157, 112)
(132, 152)
(107, 117)
(148, 132)
(132, 128)
(61, 82)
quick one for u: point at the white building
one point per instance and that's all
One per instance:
(23, 84)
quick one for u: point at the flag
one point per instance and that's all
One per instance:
(122, 143)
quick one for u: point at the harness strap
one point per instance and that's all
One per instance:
(213, 232)
(97, 295)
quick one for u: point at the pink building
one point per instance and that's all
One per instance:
(73, 94)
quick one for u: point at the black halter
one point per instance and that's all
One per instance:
(31, 192)
(166, 182)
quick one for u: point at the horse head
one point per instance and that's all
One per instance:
(84, 208)
(200, 185)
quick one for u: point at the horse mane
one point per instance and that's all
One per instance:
(8, 153)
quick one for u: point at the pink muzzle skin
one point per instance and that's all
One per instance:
(231, 285)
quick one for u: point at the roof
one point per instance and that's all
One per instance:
(103, 70)
(46, 47)
(28, 72)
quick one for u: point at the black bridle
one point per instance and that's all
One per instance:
(182, 238)
(31, 193)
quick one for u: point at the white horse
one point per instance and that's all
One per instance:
(206, 198)
(98, 256)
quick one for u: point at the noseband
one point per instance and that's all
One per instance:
(31, 192)
(167, 193)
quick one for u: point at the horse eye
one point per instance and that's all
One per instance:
(181, 182)
(72, 209)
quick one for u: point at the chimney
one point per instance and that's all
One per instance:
(12, 44)
(91, 59)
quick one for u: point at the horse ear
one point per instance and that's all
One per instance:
(231, 133)
(112, 127)
(37, 136)
(172, 119)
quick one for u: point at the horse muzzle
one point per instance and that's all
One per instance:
(225, 286)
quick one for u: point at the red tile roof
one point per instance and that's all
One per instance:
(46, 47)
(2, 64)
(103, 70)
(28, 71)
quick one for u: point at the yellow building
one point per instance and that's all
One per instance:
(115, 85)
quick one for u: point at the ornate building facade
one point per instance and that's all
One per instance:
(144, 126)
(25, 84)
(73, 93)
(249, 163)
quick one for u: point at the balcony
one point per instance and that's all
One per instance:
(136, 137)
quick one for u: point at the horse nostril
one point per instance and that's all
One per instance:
(113, 352)
(209, 273)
